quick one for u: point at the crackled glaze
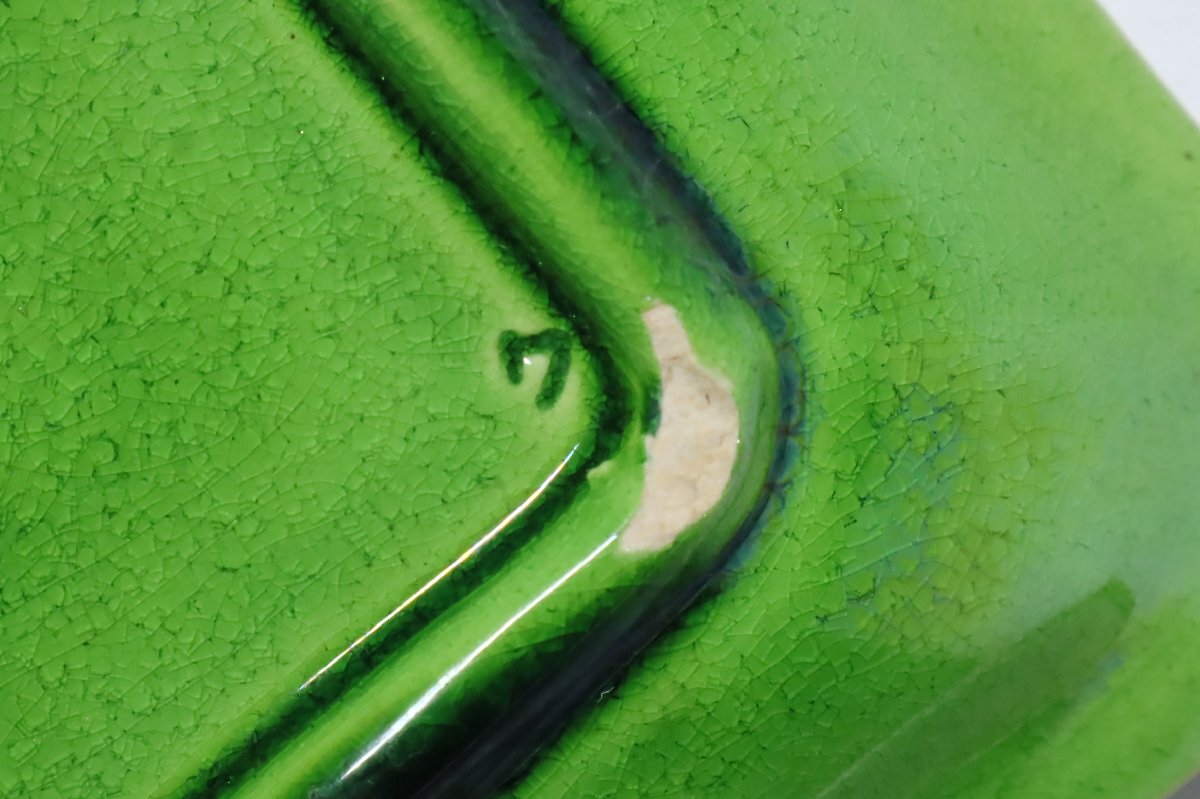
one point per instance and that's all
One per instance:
(249, 390)
(325, 393)
(984, 220)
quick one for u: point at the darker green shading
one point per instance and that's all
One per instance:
(1025, 686)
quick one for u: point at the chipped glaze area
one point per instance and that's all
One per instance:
(690, 454)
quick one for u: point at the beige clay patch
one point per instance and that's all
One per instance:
(689, 459)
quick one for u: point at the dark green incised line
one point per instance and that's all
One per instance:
(676, 224)
(612, 421)
(612, 225)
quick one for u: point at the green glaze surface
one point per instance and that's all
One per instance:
(314, 363)
(983, 579)
(315, 455)
(251, 387)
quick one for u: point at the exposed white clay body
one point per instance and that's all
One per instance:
(690, 457)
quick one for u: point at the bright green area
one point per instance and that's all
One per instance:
(252, 395)
(301, 338)
(983, 581)
(251, 390)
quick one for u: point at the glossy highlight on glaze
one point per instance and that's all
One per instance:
(406, 718)
(467, 554)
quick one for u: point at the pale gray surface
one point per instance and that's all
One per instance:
(1189, 791)
(1167, 34)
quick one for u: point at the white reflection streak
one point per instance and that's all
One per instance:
(417, 707)
(478, 545)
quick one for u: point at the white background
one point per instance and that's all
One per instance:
(1167, 34)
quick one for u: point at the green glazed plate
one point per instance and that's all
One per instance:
(457, 397)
